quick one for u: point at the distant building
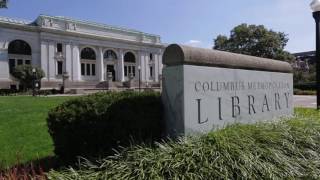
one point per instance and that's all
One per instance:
(304, 59)
(87, 51)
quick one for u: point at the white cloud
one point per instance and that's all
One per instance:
(194, 43)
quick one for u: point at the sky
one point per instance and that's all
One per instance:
(191, 22)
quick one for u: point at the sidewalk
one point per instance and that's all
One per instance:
(305, 101)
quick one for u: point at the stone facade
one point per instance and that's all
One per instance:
(86, 51)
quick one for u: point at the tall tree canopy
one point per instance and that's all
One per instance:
(255, 41)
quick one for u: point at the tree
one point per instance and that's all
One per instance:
(255, 41)
(25, 76)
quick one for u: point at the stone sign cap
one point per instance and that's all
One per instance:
(184, 55)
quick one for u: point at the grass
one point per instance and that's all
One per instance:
(289, 149)
(23, 130)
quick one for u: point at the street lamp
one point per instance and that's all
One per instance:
(139, 69)
(315, 6)
(33, 81)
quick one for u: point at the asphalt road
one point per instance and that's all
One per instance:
(305, 101)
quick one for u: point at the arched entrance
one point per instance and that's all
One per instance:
(129, 65)
(19, 53)
(110, 61)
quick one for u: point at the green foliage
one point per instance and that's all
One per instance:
(255, 41)
(25, 76)
(284, 150)
(305, 76)
(93, 125)
(304, 92)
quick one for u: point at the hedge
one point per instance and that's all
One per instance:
(93, 125)
(284, 150)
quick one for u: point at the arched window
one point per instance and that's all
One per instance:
(110, 55)
(19, 53)
(88, 53)
(88, 65)
(19, 47)
(129, 57)
(129, 65)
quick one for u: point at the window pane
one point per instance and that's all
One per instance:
(60, 63)
(125, 71)
(28, 62)
(129, 70)
(88, 70)
(93, 69)
(12, 64)
(151, 71)
(134, 71)
(59, 47)
(20, 61)
(82, 69)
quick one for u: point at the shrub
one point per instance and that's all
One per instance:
(283, 150)
(304, 92)
(306, 86)
(93, 125)
(25, 75)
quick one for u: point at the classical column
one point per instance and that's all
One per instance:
(143, 66)
(121, 66)
(147, 67)
(160, 63)
(156, 68)
(100, 65)
(68, 61)
(44, 59)
(52, 61)
(4, 65)
(76, 63)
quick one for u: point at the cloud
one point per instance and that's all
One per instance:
(194, 43)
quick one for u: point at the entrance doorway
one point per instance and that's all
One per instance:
(110, 68)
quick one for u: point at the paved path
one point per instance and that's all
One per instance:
(305, 101)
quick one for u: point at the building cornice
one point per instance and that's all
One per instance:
(45, 24)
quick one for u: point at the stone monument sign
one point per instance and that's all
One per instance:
(206, 89)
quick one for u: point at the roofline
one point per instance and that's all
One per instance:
(101, 25)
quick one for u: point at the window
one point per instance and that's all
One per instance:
(125, 71)
(60, 67)
(93, 66)
(151, 56)
(129, 70)
(110, 55)
(88, 53)
(134, 71)
(88, 70)
(12, 64)
(151, 71)
(28, 62)
(82, 69)
(20, 62)
(59, 47)
(19, 47)
(129, 57)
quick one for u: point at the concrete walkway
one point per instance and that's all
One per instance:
(305, 101)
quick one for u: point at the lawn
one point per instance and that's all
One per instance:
(23, 130)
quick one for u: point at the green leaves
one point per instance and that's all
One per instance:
(255, 41)
(285, 150)
(24, 74)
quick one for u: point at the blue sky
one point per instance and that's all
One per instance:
(193, 22)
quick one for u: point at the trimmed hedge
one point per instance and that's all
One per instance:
(91, 126)
(284, 150)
